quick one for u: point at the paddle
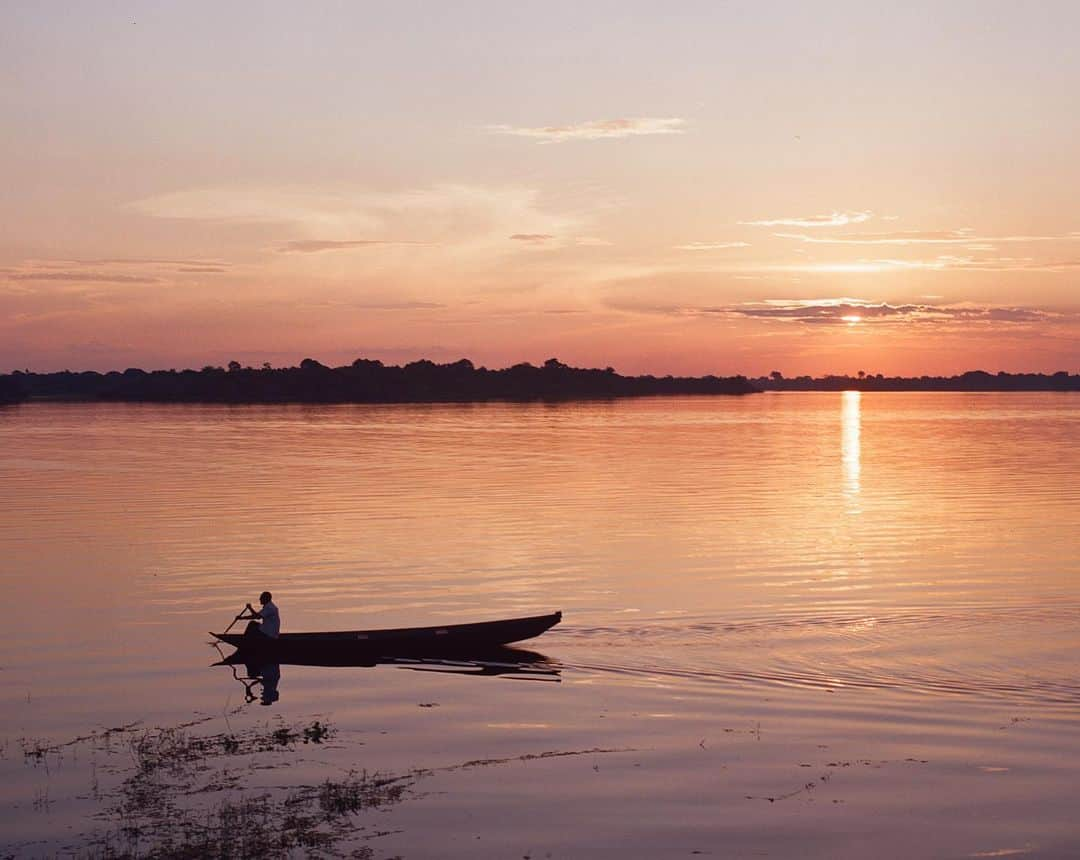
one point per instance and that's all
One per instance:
(241, 616)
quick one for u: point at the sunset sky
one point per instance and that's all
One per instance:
(660, 187)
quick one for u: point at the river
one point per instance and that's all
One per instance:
(814, 625)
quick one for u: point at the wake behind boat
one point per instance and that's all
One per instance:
(444, 639)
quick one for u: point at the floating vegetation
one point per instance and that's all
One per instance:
(170, 803)
(181, 792)
(312, 819)
(803, 789)
(39, 750)
(807, 787)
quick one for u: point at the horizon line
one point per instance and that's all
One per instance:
(235, 366)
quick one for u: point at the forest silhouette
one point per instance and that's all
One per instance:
(371, 381)
(363, 381)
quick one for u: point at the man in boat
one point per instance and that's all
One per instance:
(265, 621)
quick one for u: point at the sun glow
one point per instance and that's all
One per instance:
(852, 320)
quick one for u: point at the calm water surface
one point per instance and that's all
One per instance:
(813, 625)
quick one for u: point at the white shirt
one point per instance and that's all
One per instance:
(271, 625)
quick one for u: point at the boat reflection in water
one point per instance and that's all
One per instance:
(260, 679)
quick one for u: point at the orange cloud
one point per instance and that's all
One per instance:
(833, 219)
(841, 311)
(596, 129)
(937, 264)
(82, 277)
(963, 236)
(314, 246)
(711, 246)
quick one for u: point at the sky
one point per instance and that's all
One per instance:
(688, 188)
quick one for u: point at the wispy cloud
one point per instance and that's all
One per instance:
(999, 264)
(460, 219)
(941, 263)
(592, 242)
(116, 271)
(148, 261)
(377, 305)
(964, 236)
(833, 219)
(852, 311)
(315, 246)
(595, 129)
(711, 246)
(553, 241)
(153, 264)
(815, 311)
(82, 277)
(847, 311)
(399, 306)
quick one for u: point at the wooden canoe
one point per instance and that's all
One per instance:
(444, 639)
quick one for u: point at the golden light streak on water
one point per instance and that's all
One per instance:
(851, 447)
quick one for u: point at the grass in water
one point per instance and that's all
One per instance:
(181, 792)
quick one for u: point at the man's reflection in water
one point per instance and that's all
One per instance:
(271, 675)
(267, 676)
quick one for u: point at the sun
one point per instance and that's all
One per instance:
(852, 320)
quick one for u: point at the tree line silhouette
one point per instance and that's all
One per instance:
(363, 381)
(972, 380)
(371, 381)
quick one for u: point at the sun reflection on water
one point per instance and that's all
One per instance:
(851, 447)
